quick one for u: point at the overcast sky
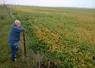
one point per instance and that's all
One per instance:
(55, 3)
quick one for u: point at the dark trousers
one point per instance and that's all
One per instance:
(14, 49)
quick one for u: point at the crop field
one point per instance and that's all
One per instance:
(64, 37)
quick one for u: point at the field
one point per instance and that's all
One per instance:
(64, 37)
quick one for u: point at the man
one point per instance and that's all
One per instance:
(14, 37)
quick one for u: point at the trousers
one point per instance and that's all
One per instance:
(14, 48)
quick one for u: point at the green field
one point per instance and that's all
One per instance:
(64, 37)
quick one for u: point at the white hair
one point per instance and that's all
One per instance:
(17, 21)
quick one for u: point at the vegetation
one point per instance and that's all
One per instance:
(64, 37)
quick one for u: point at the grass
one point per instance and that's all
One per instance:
(4, 29)
(63, 36)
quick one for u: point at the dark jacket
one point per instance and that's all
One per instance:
(14, 34)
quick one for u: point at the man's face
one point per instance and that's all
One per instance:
(17, 22)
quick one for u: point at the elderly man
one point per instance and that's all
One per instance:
(14, 37)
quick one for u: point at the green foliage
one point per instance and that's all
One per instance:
(55, 36)
(1, 17)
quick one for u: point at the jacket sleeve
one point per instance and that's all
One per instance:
(18, 29)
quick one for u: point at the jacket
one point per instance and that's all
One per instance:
(14, 34)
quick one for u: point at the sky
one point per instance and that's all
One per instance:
(54, 3)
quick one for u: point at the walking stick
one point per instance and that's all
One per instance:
(24, 44)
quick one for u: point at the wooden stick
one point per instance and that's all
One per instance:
(24, 44)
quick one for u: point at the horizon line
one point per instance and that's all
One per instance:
(49, 6)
